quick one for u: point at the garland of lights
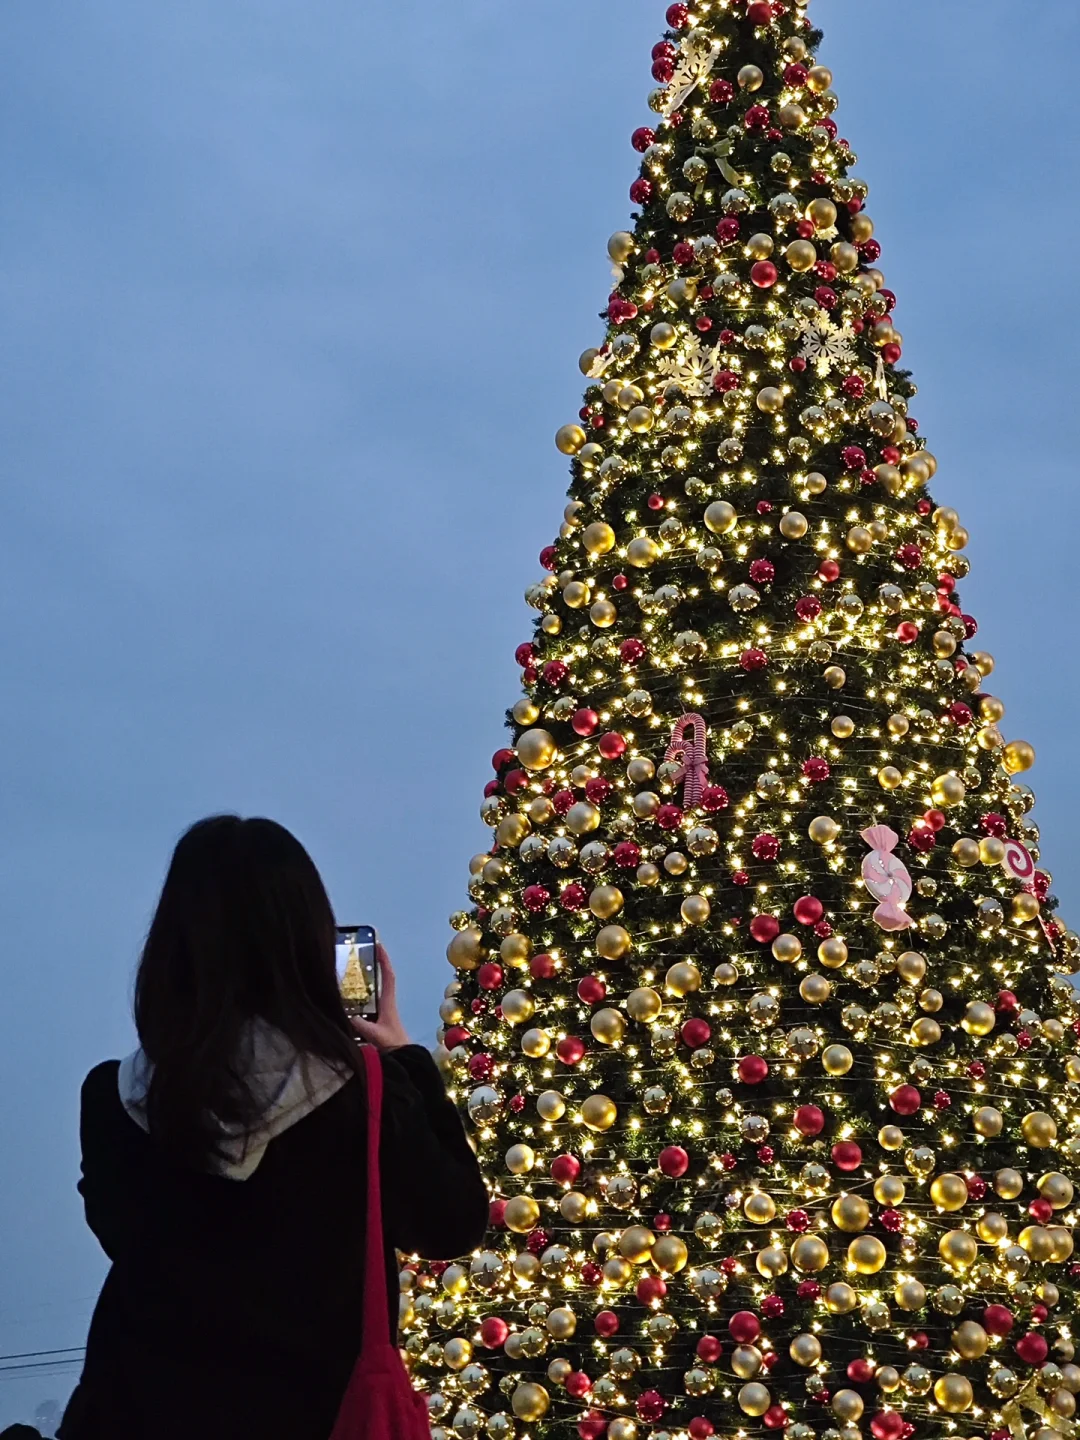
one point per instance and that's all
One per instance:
(761, 1022)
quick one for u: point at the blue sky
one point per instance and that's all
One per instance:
(292, 297)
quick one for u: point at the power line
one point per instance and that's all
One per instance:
(36, 1354)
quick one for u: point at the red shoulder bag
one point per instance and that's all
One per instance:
(379, 1403)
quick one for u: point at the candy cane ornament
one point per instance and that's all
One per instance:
(692, 757)
(886, 877)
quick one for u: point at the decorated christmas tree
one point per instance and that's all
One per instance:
(761, 1018)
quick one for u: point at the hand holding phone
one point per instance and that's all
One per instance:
(387, 1032)
(358, 971)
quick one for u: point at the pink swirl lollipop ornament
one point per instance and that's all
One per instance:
(886, 877)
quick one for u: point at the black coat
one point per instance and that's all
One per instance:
(232, 1308)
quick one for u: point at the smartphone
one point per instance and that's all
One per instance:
(358, 970)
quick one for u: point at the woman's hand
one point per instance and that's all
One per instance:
(387, 1032)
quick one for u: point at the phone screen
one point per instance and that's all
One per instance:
(357, 970)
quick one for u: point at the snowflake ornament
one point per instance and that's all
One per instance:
(695, 63)
(692, 366)
(826, 345)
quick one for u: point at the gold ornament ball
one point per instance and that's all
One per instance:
(746, 1361)
(931, 1001)
(833, 952)
(520, 1159)
(966, 853)
(760, 246)
(536, 749)
(862, 227)
(771, 1262)
(1062, 1243)
(535, 1043)
(889, 777)
(526, 712)
(720, 517)
(569, 439)
(683, 978)
(1037, 1241)
(805, 1350)
(925, 1031)
(801, 255)
(695, 910)
(669, 1254)
(822, 214)
(840, 1298)
(622, 1428)
(750, 78)
(522, 1214)
(642, 552)
(1025, 908)
(898, 725)
(663, 336)
(463, 952)
(949, 1192)
(793, 525)
(1009, 1184)
(786, 948)
(530, 1402)
(620, 247)
(517, 1007)
(1018, 756)
(603, 613)
(515, 949)
(759, 1208)
(526, 1267)
(608, 1026)
(457, 1353)
(891, 1137)
(809, 1254)
(823, 830)
(1039, 1129)
(574, 1207)
(644, 1005)
(992, 1228)
(978, 1018)
(815, 989)
(509, 832)
(791, 116)
(911, 967)
(889, 1190)
(958, 1249)
(843, 727)
(599, 1112)
(613, 942)
(582, 818)
(1056, 1188)
(953, 1393)
(991, 850)
(859, 540)
(910, 1295)
(847, 1405)
(836, 1059)
(598, 538)
(867, 1254)
(947, 790)
(850, 1213)
(754, 1399)
(576, 594)
(770, 400)
(636, 1243)
(648, 874)
(605, 901)
(846, 259)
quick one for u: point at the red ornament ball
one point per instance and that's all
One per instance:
(764, 928)
(828, 571)
(798, 1221)
(753, 659)
(725, 381)
(907, 632)
(570, 1050)
(578, 1384)
(753, 1069)
(764, 274)
(846, 1155)
(643, 137)
(535, 898)
(674, 1161)
(565, 1169)
(612, 745)
(543, 967)
(762, 572)
(808, 910)
(807, 607)
(573, 897)
(494, 1332)
(655, 502)
(497, 1214)
(860, 1371)
(744, 1327)
(909, 556)
(1040, 1210)
(606, 1324)
(591, 990)
(620, 582)
(669, 817)
(650, 1288)
(641, 191)
(1032, 1348)
(592, 1425)
(714, 797)
(651, 1404)
(997, 1320)
(584, 722)
(816, 769)
(677, 16)
(696, 1032)
(489, 976)
(765, 847)
(905, 1100)
(886, 1424)
(722, 92)
(759, 12)
(809, 1120)
(775, 1417)
(627, 855)
(709, 1349)
(700, 1428)
(631, 651)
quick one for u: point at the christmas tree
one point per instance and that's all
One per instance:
(761, 1020)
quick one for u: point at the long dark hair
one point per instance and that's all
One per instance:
(243, 929)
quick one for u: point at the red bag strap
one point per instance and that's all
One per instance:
(376, 1300)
